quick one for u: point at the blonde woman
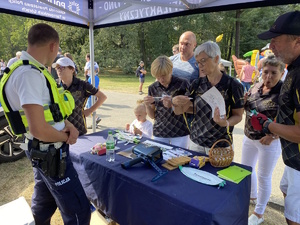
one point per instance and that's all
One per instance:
(168, 127)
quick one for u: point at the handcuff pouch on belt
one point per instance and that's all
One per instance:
(52, 161)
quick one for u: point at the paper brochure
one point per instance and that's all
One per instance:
(214, 98)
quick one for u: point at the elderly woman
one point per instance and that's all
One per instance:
(168, 127)
(206, 128)
(257, 146)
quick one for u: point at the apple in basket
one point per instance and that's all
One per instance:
(99, 149)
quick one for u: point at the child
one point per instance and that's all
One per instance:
(142, 73)
(140, 126)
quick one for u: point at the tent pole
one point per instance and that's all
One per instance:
(92, 58)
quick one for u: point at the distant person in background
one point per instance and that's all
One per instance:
(3, 66)
(97, 81)
(142, 72)
(67, 54)
(52, 70)
(12, 60)
(1, 63)
(175, 49)
(246, 75)
(96, 85)
(87, 67)
(184, 64)
(258, 147)
(80, 90)
(140, 126)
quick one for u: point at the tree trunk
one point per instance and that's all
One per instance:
(237, 32)
(230, 43)
(142, 43)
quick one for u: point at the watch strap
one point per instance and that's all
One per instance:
(266, 127)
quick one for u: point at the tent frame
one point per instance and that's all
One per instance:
(192, 9)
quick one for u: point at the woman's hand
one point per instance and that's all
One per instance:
(87, 112)
(167, 101)
(180, 100)
(266, 140)
(217, 118)
(148, 100)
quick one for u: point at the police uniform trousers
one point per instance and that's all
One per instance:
(65, 193)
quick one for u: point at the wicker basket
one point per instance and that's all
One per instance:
(221, 157)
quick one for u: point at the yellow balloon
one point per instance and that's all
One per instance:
(219, 38)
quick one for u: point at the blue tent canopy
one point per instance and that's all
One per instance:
(102, 13)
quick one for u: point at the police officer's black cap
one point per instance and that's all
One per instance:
(288, 23)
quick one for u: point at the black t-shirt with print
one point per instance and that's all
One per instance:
(166, 123)
(289, 105)
(266, 104)
(81, 91)
(204, 131)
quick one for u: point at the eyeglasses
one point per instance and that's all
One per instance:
(271, 74)
(203, 61)
(61, 68)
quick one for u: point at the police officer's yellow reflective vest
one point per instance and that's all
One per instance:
(62, 101)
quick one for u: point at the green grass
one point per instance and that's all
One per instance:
(115, 81)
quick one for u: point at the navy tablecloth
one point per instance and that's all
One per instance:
(129, 196)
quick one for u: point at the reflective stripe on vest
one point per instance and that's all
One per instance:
(62, 101)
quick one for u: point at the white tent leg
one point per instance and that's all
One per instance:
(92, 58)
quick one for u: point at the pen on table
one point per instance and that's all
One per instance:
(162, 97)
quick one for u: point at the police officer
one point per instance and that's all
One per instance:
(32, 105)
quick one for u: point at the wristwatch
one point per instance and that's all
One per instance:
(266, 127)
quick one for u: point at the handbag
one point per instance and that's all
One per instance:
(220, 156)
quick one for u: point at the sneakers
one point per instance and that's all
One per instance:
(254, 220)
(141, 93)
(98, 120)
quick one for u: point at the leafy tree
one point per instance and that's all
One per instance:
(123, 47)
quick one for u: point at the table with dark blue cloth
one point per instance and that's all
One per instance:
(129, 196)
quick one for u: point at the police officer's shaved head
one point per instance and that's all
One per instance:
(42, 33)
